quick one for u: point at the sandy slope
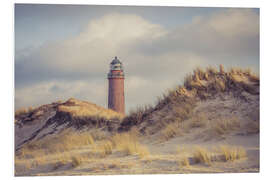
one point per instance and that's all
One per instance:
(166, 155)
(164, 158)
(52, 118)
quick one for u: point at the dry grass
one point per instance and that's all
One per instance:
(198, 120)
(232, 153)
(23, 111)
(98, 134)
(76, 160)
(62, 159)
(76, 149)
(184, 162)
(183, 112)
(58, 145)
(224, 126)
(66, 140)
(30, 163)
(211, 81)
(177, 127)
(135, 117)
(106, 148)
(56, 160)
(62, 149)
(171, 130)
(85, 109)
(116, 164)
(223, 153)
(253, 127)
(129, 144)
(253, 123)
(202, 155)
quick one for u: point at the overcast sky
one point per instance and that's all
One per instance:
(64, 51)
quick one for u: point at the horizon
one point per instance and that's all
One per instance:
(64, 51)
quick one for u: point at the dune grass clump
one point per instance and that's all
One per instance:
(82, 109)
(56, 149)
(106, 148)
(62, 149)
(232, 153)
(76, 160)
(65, 141)
(129, 144)
(98, 134)
(223, 126)
(171, 130)
(198, 120)
(202, 155)
(24, 111)
(135, 117)
(184, 162)
(62, 159)
(213, 81)
(223, 153)
(86, 114)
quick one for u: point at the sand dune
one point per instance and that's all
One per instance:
(208, 125)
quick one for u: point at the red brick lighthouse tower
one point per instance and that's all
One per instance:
(116, 100)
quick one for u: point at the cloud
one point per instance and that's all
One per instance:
(47, 92)
(235, 23)
(155, 58)
(88, 53)
(232, 32)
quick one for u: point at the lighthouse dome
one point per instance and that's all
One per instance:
(116, 61)
(116, 64)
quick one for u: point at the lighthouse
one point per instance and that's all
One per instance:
(116, 99)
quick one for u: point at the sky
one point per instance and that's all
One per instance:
(64, 51)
